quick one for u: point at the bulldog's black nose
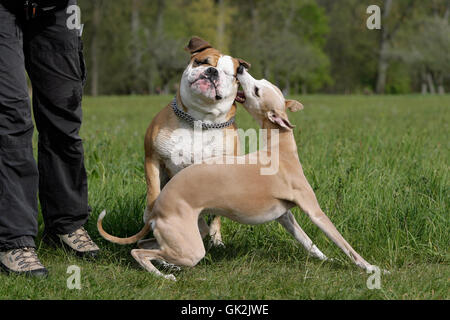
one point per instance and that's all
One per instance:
(212, 73)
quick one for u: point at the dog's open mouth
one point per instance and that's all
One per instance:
(240, 97)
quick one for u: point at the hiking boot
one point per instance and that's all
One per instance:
(79, 241)
(22, 261)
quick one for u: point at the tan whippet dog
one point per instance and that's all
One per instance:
(239, 191)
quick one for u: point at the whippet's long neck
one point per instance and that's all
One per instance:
(286, 142)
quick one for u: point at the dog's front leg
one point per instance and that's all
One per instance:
(290, 224)
(152, 176)
(307, 201)
(213, 229)
(214, 232)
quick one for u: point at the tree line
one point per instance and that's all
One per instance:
(304, 46)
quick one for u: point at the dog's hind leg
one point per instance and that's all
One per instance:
(144, 257)
(151, 244)
(290, 224)
(179, 239)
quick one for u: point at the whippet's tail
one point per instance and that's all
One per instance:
(130, 240)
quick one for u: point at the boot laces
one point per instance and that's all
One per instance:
(81, 236)
(27, 257)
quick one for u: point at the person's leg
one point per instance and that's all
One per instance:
(18, 171)
(56, 69)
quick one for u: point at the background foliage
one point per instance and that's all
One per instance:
(136, 46)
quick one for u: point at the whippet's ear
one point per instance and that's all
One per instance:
(280, 119)
(196, 45)
(294, 105)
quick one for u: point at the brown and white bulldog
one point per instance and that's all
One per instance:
(207, 93)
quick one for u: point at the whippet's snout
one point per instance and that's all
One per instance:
(212, 73)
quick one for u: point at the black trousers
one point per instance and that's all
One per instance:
(51, 54)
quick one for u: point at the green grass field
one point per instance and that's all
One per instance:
(379, 167)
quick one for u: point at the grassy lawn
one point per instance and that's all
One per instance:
(379, 167)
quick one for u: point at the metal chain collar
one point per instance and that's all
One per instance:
(192, 121)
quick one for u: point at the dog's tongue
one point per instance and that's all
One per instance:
(240, 97)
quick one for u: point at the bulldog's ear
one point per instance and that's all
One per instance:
(280, 119)
(244, 63)
(294, 105)
(197, 44)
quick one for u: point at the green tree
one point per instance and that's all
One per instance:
(136, 46)
(283, 40)
(350, 46)
(423, 46)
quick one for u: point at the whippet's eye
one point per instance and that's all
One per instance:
(257, 92)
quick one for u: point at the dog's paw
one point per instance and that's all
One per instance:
(167, 266)
(315, 252)
(217, 243)
(170, 277)
(170, 267)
